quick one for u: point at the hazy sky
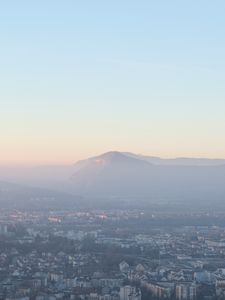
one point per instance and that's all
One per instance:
(78, 78)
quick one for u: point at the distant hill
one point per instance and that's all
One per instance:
(116, 175)
(129, 175)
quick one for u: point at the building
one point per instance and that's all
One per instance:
(160, 289)
(186, 291)
(129, 293)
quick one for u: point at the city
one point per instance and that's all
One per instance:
(111, 254)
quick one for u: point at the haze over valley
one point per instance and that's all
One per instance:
(116, 176)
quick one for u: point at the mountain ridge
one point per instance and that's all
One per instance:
(144, 178)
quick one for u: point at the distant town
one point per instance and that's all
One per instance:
(111, 254)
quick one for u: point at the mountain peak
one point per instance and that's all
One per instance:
(114, 157)
(111, 158)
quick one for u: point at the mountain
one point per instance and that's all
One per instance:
(119, 174)
(179, 161)
(110, 158)
(112, 175)
(110, 171)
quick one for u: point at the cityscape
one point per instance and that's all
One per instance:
(112, 255)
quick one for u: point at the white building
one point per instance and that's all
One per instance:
(129, 293)
(186, 291)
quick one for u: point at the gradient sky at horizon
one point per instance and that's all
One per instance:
(79, 78)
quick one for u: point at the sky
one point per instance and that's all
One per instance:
(79, 78)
